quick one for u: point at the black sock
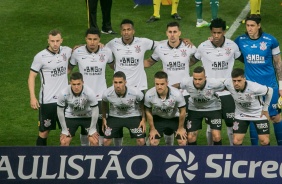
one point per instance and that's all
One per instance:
(41, 141)
(217, 143)
(192, 143)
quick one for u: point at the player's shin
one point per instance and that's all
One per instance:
(278, 132)
(169, 139)
(84, 140)
(230, 135)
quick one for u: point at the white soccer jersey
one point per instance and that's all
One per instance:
(129, 58)
(175, 61)
(92, 66)
(203, 99)
(124, 106)
(218, 61)
(77, 106)
(167, 108)
(52, 68)
(249, 102)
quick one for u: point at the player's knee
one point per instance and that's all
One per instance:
(154, 142)
(181, 142)
(216, 138)
(192, 136)
(64, 143)
(107, 142)
(276, 119)
(44, 134)
(140, 142)
(264, 141)
(237, 141)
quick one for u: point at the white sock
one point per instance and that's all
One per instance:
(101, 140)
(147, 139)
(84, 140)
(118, 141)
(230, 135)
(169, 139)
(209, 135)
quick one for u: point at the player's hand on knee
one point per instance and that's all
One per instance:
(63, 139)
(182, 133)
(94, 139)
(153, 133)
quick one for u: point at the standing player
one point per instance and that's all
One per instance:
(218, 57)
(175, 56)
(165, 110)
(77, 106)
(51, 64)
(262, 59)
(203, 103)
(249, 107)
(126, 110)
(92, 61)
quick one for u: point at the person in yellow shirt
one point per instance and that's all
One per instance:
(255, 8)
(157, 4)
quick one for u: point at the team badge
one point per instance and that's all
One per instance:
(102, 58)
(137, 49)
(64, 56)
(108, 131)
(130, 101)
(227, 51)
(208, 92)
(248, 97)
(183, 53)
(263, 46)
(189, 124)
(47, 122)
(235, 125)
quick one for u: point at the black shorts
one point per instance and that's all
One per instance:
(195, 119)
(241, 126)
(227, 109)
(166, 126)
(48, 117)
(74, 123)
(115, 125)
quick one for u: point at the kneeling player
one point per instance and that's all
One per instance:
(81, 110)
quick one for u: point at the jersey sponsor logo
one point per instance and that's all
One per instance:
(137, 48)
(78, 104)
(124, 107)
(262, 125)
(136, 131)
(235, 125)
(201, 100)
(263, 46)
(254, 46)
(47, 122)
(56, 72)
(163, 109)
(108, 131)
(175, 66)
(248, 96)
(165, 54)
(219, 65)
(245, 115)
(93, 70)
(255, 59)
(129, 61)
(245, 105)
(230, 115)
(216, 121)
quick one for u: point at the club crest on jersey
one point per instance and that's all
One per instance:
(108, 131)
(137, 49)
(130, 101)
(227, 51)
(189, 124)
(64, 56)
(208, 92)
(47, 122)
(183, 53)
(248, 96)
(235, 125)
(102, 57)
(263, 46)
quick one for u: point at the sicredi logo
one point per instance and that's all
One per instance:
(175, 171)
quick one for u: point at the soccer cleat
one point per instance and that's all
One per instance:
(176, 16)
(279, 103)
(243, 21)
(108, 32)
(203, 24)
(152, 19)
